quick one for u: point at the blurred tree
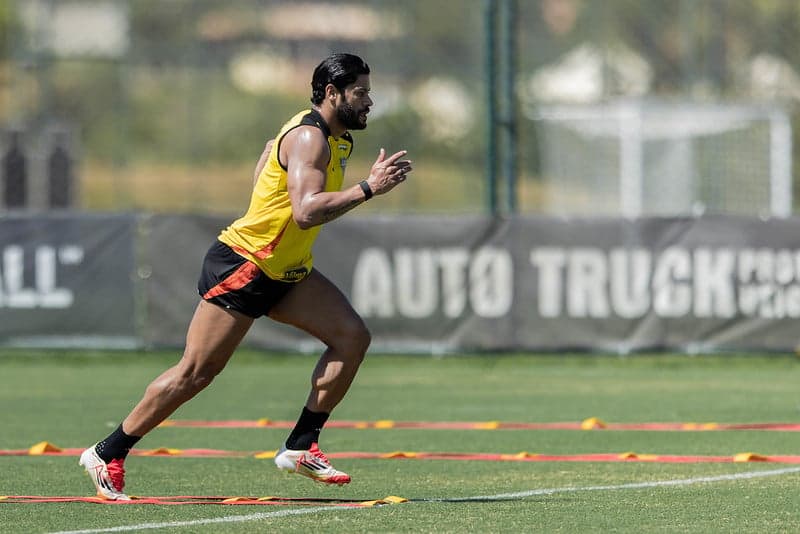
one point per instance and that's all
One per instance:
(7, 19)
(173, 99)
(8, 31)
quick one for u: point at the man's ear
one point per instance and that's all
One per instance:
(331, 92)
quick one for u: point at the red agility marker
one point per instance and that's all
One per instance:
(203, 499)
(592, 423)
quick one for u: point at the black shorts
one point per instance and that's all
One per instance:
(234, 282)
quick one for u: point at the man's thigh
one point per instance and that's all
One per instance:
(318, 307)
(214, 333)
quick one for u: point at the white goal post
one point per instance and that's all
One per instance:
(643, 157)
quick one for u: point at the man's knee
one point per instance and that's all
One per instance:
(193, 378)
(356, 336)
(200, 379)
(363, 335)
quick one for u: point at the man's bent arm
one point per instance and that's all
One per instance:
(307, 154)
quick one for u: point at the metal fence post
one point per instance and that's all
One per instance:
(491, 105)
(510, 120)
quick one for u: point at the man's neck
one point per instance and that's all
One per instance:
(329, 114)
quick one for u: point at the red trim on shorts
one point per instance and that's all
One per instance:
(242, 276)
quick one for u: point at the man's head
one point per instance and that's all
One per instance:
(343, 81)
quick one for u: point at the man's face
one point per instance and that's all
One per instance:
(354, 105)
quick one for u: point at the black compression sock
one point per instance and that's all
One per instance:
(116, 445)
(307, 430)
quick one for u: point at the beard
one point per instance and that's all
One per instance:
(349, 117)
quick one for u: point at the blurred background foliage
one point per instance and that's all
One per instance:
(168, 103)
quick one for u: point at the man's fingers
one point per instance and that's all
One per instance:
(394, 157)
(391, 168)
(381, 156)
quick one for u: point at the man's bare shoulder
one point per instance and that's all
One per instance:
(306, 142)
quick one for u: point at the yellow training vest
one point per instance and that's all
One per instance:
(267, 234)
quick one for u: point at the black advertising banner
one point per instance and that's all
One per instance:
(68, 280)
(172, 250)
(426, 283)
(544, 283)
(433, 284)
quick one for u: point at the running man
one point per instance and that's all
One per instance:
(262, 265)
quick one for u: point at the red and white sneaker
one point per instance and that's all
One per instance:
(108, 478)
(311, 463)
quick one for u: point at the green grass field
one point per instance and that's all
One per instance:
(71, 400)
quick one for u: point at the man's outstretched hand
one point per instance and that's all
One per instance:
(387, 173)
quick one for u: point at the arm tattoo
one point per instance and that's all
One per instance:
(333, 213)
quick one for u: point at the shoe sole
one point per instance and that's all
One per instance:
(315, 479)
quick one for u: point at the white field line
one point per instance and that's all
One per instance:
(498, 497)
(210, 521)
(632, 485)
